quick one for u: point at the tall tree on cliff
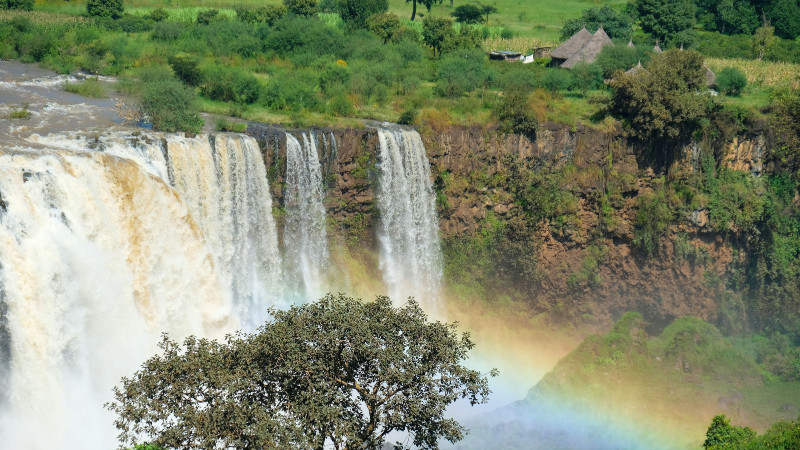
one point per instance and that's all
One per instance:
(427, 3)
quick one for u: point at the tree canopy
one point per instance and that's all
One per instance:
(617, 25)
(669, 21)
(665, 102)
(354, 13)
(338, 372)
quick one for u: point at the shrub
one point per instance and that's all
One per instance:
(186, 69)
(168, 31)
(208, 16)
(587, 77)
(265, 14)
(408, 117)
(460, 72)
(25, 5)
(340, 105)
(334, 75)
(91, 87)
(168, 104)
(731, 81)
(354, 13)
(158, 15)
(652, 220)
(105, 8)
(134, 24)
(292, 91)
(555, 80)
(616, 24)
(231, 85)
(301, 7)
(227, 125)
(514, 114)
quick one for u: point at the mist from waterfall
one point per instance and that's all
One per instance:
(410, 250)
(107, 242)
(304, 235)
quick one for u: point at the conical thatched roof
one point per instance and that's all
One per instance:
(711, 77)
(630, 43)
(572, 45)
(588, 53)
(657, 48)
(636, 69)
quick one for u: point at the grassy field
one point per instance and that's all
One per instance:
(541, 20)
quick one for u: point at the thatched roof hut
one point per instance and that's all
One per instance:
(636, 69)
(570, 46)
(711, 78)
(657, 49)
(588, 53)
(630, 43)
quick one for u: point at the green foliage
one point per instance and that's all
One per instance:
(134, 24)
(298, 35)
(105, 8)
(25, 5)
(408, 117)
(587, 77)
(91, 87)
(653, 217)
(736, 17)
(618, 25)
(338, 371)
(427, 3)
(186, 68)
(19, 112)
(384, 25)
(514, 114)
(305, 8)
(662, 103)
(166, 103)
(158, 15)
(764, 39)
(168, 31)
(460, 72)
(469, 13)
(208, 16)
(785, 16)
(355, 13)
(263, 14)
(668, 21)
(227, 125)
(292, 91)
(435, 31)
(731, 81)
(555, 80)
(231, 85)
(721, 434)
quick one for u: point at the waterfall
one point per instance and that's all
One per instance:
(305, 238)
(410, 252)
(105, 243)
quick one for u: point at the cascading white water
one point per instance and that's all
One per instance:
(99, 255)
(98, 258)
(410, 251)
(305, 237)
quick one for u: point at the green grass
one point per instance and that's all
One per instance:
(91, 87)
(19, 112)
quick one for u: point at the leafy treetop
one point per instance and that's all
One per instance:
(338, 373)
(616, 24)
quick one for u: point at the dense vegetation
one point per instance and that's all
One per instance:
(338, 373)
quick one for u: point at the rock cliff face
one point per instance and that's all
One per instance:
(466, 160)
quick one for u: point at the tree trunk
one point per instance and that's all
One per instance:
(414, 11)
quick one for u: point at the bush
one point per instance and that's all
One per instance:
(134, 24)
(514, 114)
(555, 80)
(158, 15)
(731, 81)
(105, 8)
(208, 16)
(186, 69)
(91, 87)
(354, 13)
(292, 91)
(168, 31)
(301, 7)
(587, 77)
(168, 104)
(25, 5)
(231, 85)
(460, 72)
(264, 14)
(652, 220)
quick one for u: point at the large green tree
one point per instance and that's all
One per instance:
(105, 8)
(436, 31)
(669, 21)
(428, 4)
(339, 373)
(664, 103)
